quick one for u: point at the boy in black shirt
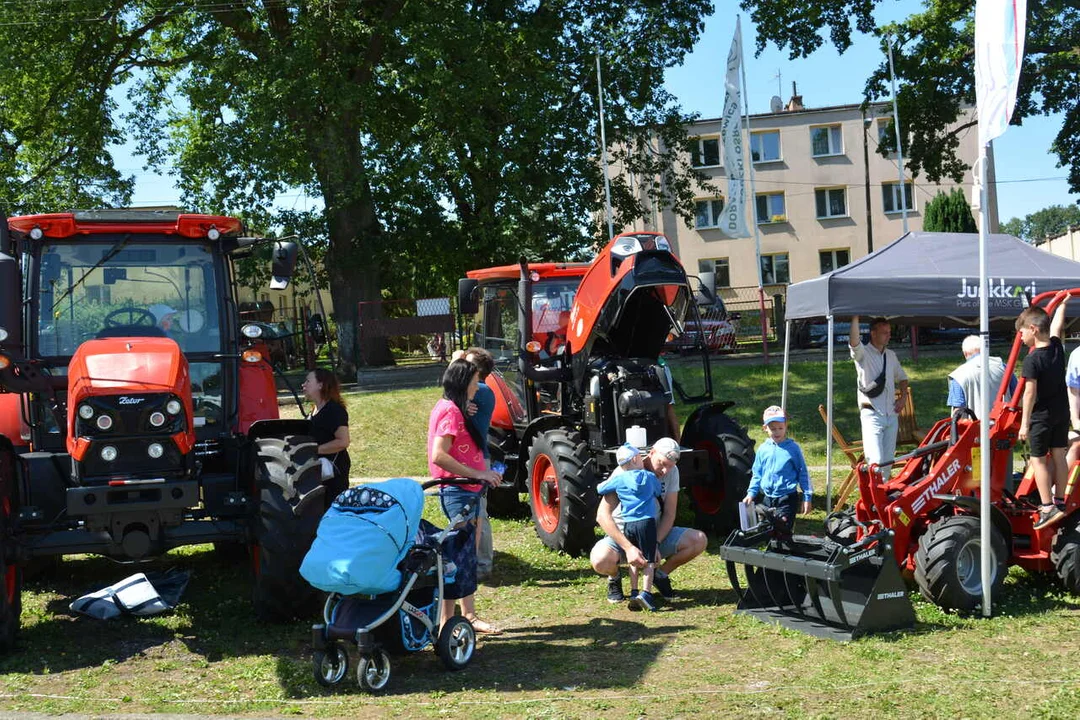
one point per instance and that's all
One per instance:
(1045, 420)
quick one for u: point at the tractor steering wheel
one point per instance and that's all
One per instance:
(135, 317)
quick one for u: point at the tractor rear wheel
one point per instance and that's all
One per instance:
(1065, 554)
(948, 563)
(731, 451)
(290, 492)
(11, 578)
(562, 492)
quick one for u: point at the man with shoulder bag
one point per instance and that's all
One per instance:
(878, 376)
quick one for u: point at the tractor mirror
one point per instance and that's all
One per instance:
(112, 274)
(707, 290)
(10, 306)
(284, 264)
(467, 301)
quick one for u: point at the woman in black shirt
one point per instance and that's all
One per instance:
(329, 427)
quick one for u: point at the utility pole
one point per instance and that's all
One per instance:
(866, 168)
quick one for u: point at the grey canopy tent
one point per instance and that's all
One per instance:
(926, 278)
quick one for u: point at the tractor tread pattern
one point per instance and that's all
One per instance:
(1065, 554)
(738, 451)
(571, 459)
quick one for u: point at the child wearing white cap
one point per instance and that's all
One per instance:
(638, 491)
(780, 471)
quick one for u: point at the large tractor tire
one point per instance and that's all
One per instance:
(731, 451)
(287, 477)
(562, 492)
(1065, 554)
(11, 579)
(948, 563)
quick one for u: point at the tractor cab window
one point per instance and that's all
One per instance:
(96, 290)
(552, 301)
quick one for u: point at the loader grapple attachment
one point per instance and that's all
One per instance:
(817, 586)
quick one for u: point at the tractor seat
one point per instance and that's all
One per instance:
(130, 331)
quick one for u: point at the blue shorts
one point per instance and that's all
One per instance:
(453, 498)
(667, 548)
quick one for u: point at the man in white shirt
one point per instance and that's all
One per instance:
(878, 376)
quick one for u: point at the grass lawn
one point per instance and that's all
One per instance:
(566, 652)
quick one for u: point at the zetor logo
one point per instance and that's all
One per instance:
(125, 400)
(935, 485)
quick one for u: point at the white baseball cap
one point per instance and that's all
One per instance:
(773, 413)
(668, 447)
(161, 311)
(625, 453)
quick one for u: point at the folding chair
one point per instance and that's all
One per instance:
(908, 433)
(854, 454)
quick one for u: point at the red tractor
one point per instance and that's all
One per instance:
(136, 413)
(587, 371)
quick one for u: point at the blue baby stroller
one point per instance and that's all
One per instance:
(385, 570)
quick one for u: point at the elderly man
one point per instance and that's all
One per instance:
(677, 545)
(878, 375)
(965, 382)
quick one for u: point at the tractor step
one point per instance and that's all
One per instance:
(817, 586)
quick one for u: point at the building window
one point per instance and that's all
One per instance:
(833, 259)
(708, 213)
(705, 152)
(765, 146)
(831, 202)
(770, 208)
(891, 200)
(774, 269)
(720, 268)
(826, 140)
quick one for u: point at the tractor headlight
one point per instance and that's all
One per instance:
(86, 412)
(104, 422)
(155, 450)
(109, 453)
(157, 418)
(173, 407)
(3, 334)
(251, 331)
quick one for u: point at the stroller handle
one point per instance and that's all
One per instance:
(453, 481)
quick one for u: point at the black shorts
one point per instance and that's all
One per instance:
(1042, 436)
(642, 533)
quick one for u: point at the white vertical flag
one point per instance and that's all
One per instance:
(999, 52)
(734, 216)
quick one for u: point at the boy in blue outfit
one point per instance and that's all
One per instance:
(638, 491)
(780, 471)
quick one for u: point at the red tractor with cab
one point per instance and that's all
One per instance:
(586, 375)
(137, 414)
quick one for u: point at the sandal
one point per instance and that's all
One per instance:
(483, 627)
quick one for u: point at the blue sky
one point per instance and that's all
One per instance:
(1027, 175)
(1028, 179)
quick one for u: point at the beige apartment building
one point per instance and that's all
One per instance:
(811, 206)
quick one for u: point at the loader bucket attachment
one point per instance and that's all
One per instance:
(817, 586)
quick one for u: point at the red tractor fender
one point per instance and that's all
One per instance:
(11, 419)
(258, 391)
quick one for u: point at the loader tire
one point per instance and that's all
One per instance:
(732, 452)
(562, 492)
(11, 579)
(947, 563)
(290, 497)
(1065, 554)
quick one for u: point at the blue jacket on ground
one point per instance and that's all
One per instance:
(637, 491)
(779, 470)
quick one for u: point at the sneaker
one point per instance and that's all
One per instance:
(1048, 516)
(643, 601)
(614, 590)
(662, 583)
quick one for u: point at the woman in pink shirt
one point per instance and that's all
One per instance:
(454, 452)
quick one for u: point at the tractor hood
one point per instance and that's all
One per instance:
(629, 300)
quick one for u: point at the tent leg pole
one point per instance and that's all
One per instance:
(829, 412)
(787, 353)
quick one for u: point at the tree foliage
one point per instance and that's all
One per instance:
(1046, 223)
(949, 213)
(438, 135)
(934, 63)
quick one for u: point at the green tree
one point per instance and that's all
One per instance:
(949, 213)
(1041, 224)
(934, 61)
(438, 135)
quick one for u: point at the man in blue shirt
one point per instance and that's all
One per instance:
(481, 420)
(780, 472)
(965, 382)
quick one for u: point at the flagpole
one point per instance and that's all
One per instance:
(603, 152)
(896, 126)
(753, 204)
(984, 411)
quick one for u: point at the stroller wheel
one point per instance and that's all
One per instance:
(331, 665)
(457, 643)
(373, 672)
